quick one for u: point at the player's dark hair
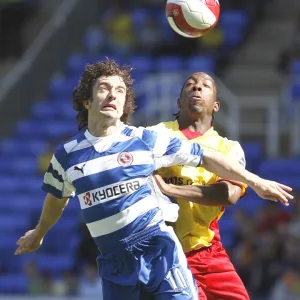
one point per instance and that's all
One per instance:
(176, 115)
(84, 90)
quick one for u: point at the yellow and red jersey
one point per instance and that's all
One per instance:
(197, 225)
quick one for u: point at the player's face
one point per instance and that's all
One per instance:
(109, 95)
(198, 96)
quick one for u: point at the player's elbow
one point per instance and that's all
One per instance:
(232, 200)
(233, 194)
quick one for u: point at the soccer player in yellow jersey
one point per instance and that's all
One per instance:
(197, 225)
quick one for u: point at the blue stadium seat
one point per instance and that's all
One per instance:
(15, 146)
(227, 224)
(44, 110)
(227, 239)
(13, 284)
(295, 68)
(21, 165)
(231, 19)
(295, 90)
(233, 37)
(55, 264)
(47, 130)
(49, 111)
(61, 242)
(61, 88)
(254, 154)
(139, 17)
(250, 203)
(94, 39)
(26, 203)
(201, 64)
(141, 64)
(7, 183)
(169, 63)
(17, 222)
(76, 64)
(280, 166)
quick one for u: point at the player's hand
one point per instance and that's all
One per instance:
(272, 190)
(164, 187)
(30, 242)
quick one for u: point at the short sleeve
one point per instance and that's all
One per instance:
(55, 179)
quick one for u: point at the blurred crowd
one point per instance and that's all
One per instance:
(266, 251)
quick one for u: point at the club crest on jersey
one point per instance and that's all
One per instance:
(125, 159)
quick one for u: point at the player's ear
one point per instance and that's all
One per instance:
(216, 106)
(87, 104)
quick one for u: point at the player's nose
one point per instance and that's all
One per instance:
(112, 95)
(197, 87)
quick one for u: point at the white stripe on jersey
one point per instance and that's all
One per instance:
(182, 157)
(108, 162)
(49, 179)
(161, 144)
(123, 218)
(111, 192)
(58, 167)
(69, 146)
(186, 147)
(81, 145)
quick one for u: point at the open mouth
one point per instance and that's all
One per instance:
(195, 96)
(110, 107)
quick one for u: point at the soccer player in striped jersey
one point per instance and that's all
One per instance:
(109, 166)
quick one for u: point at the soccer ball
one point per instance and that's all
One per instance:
(192, 18)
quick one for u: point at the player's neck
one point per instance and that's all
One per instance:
(103, 128)
(199, 125)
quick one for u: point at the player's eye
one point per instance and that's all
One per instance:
(102, 88)
(189, 84)
(120, 91)
(206, 85)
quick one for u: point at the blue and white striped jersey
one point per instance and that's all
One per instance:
(112, 178)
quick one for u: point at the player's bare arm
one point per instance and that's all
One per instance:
(52, 211)
(218, 194)
(216, 163)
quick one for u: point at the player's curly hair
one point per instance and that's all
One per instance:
(84, 90)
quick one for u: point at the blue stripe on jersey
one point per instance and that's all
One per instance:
(197, 150)
(106, 242)
(52, 190)
(55, 173)
(127, 131)
(132, 145)
(97, 212)
(88, 154)
(61, 155)
(149, 137)
(173, 147)
(85, 184)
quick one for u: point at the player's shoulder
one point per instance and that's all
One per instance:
(165, 126)
(64, 149)
(223, 143)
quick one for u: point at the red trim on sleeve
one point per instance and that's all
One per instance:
(237, 183)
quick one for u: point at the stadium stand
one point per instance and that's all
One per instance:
(52, 120)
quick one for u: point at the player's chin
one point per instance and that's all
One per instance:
(110, 113)
(196, 110)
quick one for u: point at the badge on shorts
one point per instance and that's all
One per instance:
(125, 159)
